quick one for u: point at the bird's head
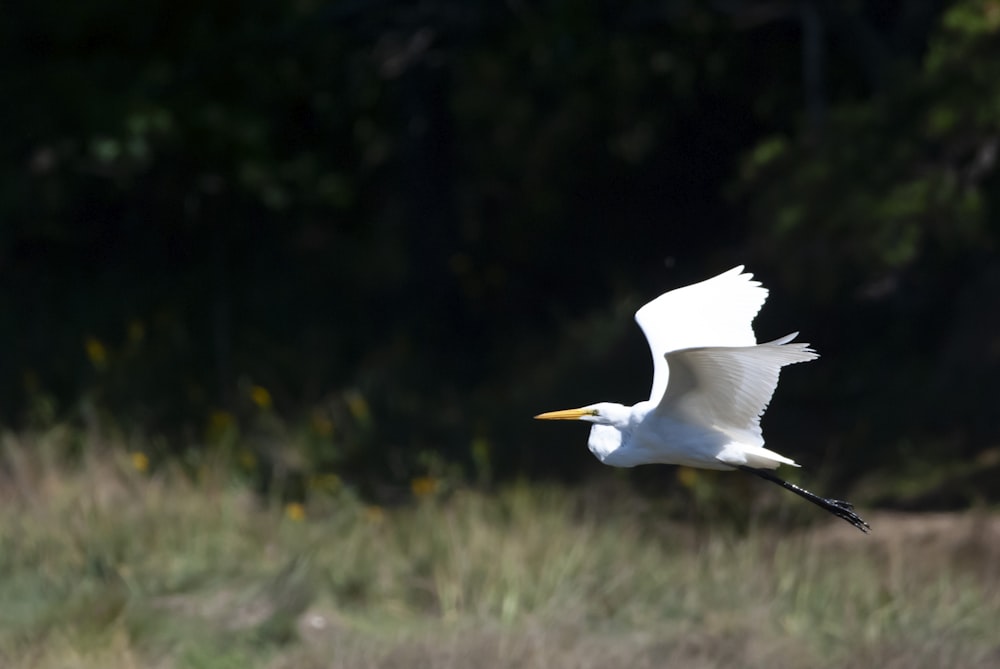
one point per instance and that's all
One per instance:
(602, 413)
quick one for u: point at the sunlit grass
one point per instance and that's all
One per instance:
(105, 564)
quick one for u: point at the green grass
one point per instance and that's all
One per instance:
(104, 566)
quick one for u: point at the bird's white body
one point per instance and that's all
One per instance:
(711, 383)
(675, 441)
(667, 441)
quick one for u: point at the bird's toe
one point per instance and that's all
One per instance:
(845, 510)
(856, 520)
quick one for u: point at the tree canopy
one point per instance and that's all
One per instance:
(402, 228)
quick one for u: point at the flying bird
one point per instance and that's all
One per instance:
(712, 382)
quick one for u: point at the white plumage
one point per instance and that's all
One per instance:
(715, 312)
(712, 382)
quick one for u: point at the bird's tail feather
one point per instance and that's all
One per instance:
(758, 457)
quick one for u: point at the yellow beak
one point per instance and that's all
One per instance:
(566, 414)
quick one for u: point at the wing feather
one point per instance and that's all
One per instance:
(729, 387)
(715, 312)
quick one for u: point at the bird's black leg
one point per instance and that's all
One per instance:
(837, 507)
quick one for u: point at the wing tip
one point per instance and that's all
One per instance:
(797, 346)
(739, 272)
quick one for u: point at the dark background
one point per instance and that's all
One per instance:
(375, 238)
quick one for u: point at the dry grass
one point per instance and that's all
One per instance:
(103, 566)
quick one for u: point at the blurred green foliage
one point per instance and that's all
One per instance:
(413, 225)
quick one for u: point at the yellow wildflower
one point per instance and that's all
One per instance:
(295, 511)
(261, 397)
(687, 476)
(140, 461)
(358, 406)
(424, 486)
(374, 514)
(97, 353)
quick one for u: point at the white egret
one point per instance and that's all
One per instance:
(711, 384)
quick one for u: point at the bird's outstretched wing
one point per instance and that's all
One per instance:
(729, 387)
(714, 312)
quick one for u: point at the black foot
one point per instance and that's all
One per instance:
(845, 510)
(837, 507)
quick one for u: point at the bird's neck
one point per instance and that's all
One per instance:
(610, 439)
